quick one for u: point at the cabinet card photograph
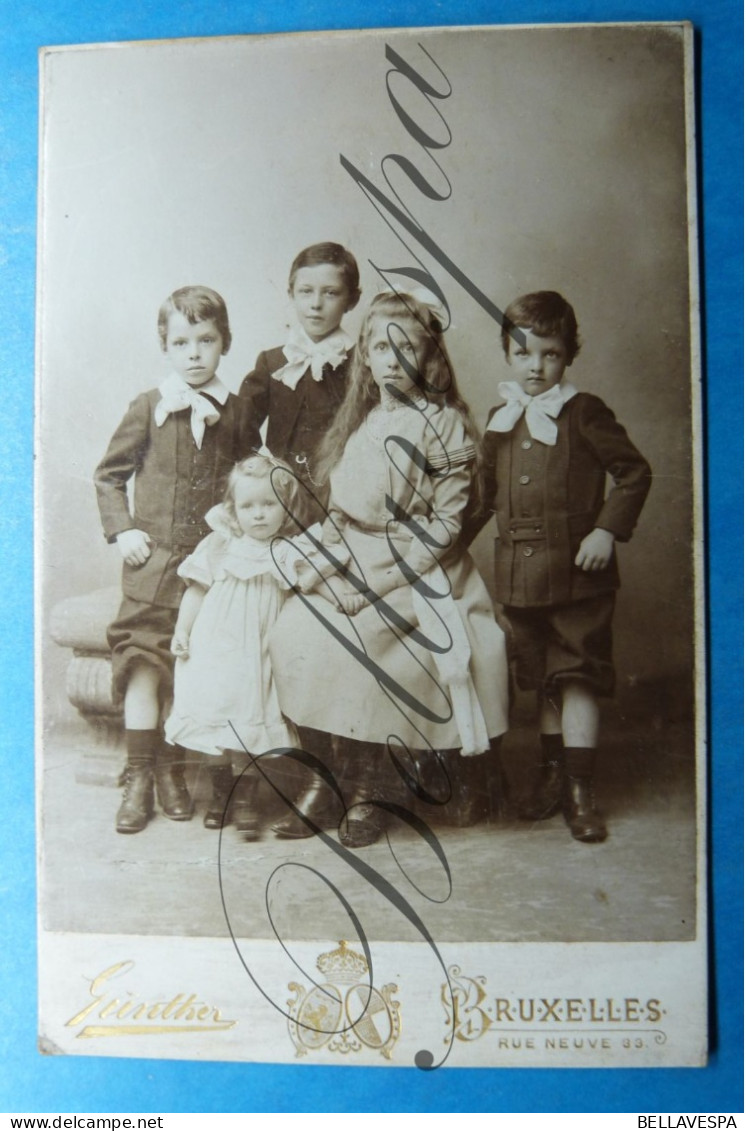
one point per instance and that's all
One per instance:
(369, 581)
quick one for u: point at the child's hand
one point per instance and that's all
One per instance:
(353, 602)
(331, 535)
(595, 550)
(338, 591)
(134, 546)
(180, 643)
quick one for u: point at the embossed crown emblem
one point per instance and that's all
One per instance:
(342, 965)
(346, 1014)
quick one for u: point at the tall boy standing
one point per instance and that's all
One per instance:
(547, 452)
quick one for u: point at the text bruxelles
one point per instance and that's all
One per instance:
(571, 1010)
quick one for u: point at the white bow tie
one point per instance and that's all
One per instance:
(176, 396)
(303, 353)
(540, 411)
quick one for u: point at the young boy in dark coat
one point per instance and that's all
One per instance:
(297, 388)
(179, 442)
(547, 451)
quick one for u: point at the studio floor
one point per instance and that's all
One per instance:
(503, 881)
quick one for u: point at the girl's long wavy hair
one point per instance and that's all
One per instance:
(435, 379)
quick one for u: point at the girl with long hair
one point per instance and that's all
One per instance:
(396, 656)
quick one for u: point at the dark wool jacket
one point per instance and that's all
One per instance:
(546, 499)
(297, 419)
(176, 483)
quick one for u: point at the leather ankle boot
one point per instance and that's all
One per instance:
(244, 813)
(582, 817)
(364, 772)
(468, 803)
(222, 782)
(545, 798)
(173, 795)
(498, 788)
(313, 803)
(137, 800)
(361, 824)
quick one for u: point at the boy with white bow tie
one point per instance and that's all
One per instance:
(547, 451)
(298, 388)
(179, 442)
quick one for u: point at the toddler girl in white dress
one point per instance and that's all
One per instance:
(225, 703)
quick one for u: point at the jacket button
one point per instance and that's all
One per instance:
(537, 530)
(528, 551)
(526, 444)
(524, 479)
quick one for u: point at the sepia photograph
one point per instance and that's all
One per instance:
(369, 549)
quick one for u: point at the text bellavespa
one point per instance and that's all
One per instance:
(701, 1122)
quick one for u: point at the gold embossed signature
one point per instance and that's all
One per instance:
(129, 1015)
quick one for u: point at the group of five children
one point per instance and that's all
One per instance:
(315, 592)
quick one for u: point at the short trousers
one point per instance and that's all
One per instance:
(553, 644)
(141, 633)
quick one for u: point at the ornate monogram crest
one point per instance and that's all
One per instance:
(344, 1013)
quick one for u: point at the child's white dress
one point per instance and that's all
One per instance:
(224, 692)
(426, 666)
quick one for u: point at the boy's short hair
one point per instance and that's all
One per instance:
(197, 304)
(546, 314)
(337, 256)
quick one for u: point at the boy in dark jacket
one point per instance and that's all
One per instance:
(547, 451)
(178, 442)
(298, 388)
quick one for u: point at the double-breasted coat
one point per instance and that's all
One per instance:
(548, 498)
